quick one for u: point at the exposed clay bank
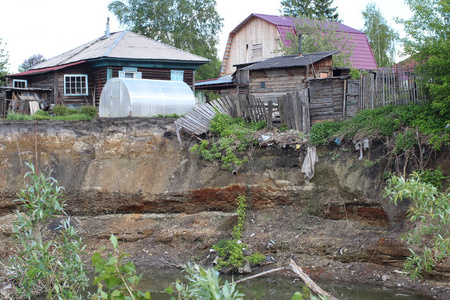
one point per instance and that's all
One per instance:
(132, 177)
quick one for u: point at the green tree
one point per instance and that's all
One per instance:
(428, 43)
(382, 38)
(323, 9)
(297, 8)
(316, 9)
(3, 63)
(31, 62)
(319, 36)
(190, 25)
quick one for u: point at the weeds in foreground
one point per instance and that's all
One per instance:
(46, 263)
(430, 210)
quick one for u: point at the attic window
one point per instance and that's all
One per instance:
(19, 83)
(75, 85)
(130, 73)
(256, 51)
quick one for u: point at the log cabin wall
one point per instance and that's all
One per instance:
(269, 84)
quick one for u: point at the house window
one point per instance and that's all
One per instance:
(75, 85)
(19, 83)
(130, 73)
(176, 75)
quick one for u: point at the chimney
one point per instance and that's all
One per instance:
(107, 32)
(300, 44)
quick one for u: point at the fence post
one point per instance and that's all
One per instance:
(269, 115)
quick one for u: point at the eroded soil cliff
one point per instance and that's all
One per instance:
(133, 178)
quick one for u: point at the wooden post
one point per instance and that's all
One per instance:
(269, 115)
(344, 102)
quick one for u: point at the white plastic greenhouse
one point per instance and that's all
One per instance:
(122, 97)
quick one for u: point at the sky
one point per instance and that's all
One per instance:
(52, 27)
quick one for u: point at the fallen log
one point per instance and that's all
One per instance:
(309, 282)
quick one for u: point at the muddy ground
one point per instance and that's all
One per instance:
(133, 178)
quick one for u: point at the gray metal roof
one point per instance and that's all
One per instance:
(226, 79)
(122, 45)
(290, 61)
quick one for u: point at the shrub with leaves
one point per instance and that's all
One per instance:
(203, 284)
(116, 279)
(231, 252)
(46, 263)
(430, 210)
(234, 135)
(89, 111)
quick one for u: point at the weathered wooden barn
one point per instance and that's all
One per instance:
(276, 76)
(77, 76)
(259, 37)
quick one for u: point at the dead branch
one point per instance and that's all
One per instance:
(308, 281)
(260, 274)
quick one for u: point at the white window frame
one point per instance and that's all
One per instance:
(20, 82)
(76, 91)
(130, 73)
(177, 75)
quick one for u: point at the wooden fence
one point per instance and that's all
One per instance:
(198, 120)
(333, 99)
(393, 86)
(294, 110)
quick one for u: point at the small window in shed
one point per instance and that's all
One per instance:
(176, 75)
(323, 75)
(75, 85)
(19, 83)
(263, 84)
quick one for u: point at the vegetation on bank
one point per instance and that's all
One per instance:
(60, 112)
(232, 137)
(48, 263)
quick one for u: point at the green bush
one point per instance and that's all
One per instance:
(12, 116)
(89, 111)
(46, 265)
(321, 133)
(204, 284)
(384, 122)
(116, 279)
(234, 135)
(430, 210)
(62, 110)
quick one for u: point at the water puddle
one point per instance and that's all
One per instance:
(280, 288)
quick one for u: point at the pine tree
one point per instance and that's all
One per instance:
(323, 10)
(297, 8)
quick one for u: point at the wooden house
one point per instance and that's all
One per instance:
(260, 36)
(276, 76)
(77, 77)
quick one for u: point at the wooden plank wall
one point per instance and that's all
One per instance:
(198, 120)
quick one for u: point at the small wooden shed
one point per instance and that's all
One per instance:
(276, 76)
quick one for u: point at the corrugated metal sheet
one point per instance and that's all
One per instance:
(44, 70)
(288, 61)
(126, 45)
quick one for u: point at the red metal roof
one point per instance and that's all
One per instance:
(44, 70)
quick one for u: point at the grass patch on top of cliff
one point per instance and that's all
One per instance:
(403, 123)
(60, 112)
